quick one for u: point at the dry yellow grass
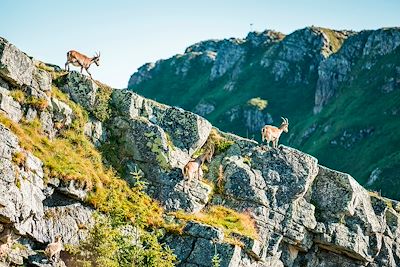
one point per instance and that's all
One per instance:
(229, 220)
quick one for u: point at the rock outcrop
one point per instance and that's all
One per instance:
(305, 214)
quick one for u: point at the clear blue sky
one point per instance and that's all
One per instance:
(131, 33)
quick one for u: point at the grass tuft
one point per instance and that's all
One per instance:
(18, 95)
(37, 103)
(19, 158)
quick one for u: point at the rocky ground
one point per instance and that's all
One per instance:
(305, 214)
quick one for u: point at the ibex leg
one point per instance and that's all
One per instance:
(88, 73)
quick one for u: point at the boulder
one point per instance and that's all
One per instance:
(15, 66)
(9, 106)
(62, 113)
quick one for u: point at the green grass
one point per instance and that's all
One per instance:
(102, 110)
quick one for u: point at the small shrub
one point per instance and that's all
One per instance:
(18, 95)
(18, 182)
(216, 260)
(217, 142)
(170, 143)
(259, 103)
(102, 110)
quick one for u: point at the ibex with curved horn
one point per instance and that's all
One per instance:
(272, 133)
(6, 247)
(53, 250)
(79, 60)
(193, 168)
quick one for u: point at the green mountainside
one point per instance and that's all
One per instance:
(339, 89)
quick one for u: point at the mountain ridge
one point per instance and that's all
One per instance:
(305, 76)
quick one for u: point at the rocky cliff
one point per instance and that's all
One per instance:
(255, 206)
(339, 90)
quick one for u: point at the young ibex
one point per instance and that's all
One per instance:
(193, 167)
(54, 249)
(272, 133)
(79, 60)
(6, 247)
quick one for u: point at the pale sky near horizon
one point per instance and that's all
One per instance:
(131, 33)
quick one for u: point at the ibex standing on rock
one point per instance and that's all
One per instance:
(193, 167)
(79, 60)
(6, 247)
(54, 249)
(272, 133)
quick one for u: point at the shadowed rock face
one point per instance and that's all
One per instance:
(305, 213)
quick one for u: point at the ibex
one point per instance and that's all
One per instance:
(6, 247)
(193, 167)
(54, 249)
(79, 60)
(272, 133)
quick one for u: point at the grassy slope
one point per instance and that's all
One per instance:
(359, 105)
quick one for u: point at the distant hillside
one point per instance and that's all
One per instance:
(339, 89)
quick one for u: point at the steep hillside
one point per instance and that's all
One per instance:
(102, 169)
(339, 89)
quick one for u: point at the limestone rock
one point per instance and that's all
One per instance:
(15, 66)
(21, 186)
(81, 89)
(61, 112)
(10, 107)
(94, 131)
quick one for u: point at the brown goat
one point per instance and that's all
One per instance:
(193, 167)
(80, 60)
(54, 249)
(271, 133)
(6, 247)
